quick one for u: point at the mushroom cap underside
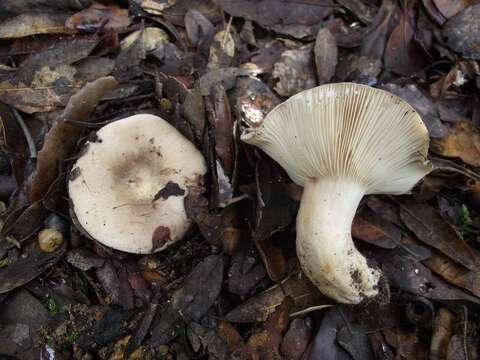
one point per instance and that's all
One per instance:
(127, 189)
(347, 130)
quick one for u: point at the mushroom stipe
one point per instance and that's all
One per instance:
(127, 188)
(341, 142)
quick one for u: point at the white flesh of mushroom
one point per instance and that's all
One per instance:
(340, 142)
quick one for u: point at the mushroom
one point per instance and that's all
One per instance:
(341, 142)
(128, 187)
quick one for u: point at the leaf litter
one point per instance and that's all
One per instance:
(233, 288)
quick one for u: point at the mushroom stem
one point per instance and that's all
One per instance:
(324, 241)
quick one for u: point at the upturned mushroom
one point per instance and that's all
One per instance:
(128, 187)
(341, 142)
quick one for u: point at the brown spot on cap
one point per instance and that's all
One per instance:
(160, 237)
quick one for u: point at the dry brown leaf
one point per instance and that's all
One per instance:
(62, 137)
(33, 24)
(450, 8)
(326, 55)
(429, 227)
(402, 55)
(264, 345)
(99, 15)
(367, 226)
(463, 141)
(455, 274)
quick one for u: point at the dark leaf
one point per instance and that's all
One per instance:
(363, 10)
(22, 226)
(406, 343)
(325, 345)
(455, 274)
(376, 35)
(199, 28)
(326, 54)
(223, 125)
(296, 339)
(227, 77)
(27, 268)
(406, 273)
(463, 34)
(245, 272)
(402, 55)
(208, 339)
(111, 327)
(142, 329)
(457, 346)
(450, 8)
(354, 340)
(427, 224)
(192, 300)
(14, 142)
(298, 19)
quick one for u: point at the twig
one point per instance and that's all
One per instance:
(465, 328)
(26, 132)
(227, 32)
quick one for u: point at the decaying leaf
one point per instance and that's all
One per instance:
(33, 24)
(463, 33)
(326, 53)
(296, 339)
(298, 19)
(61, 139)
(99, 15)
(265, 344)
(375, 38)
(406, 343)
(450, 8)
(295, 71)
(463, 141)
(427, 224)
(151, 38)
(27, 268)
(222, 50)
(442, 332)
(257, 308)
(192, 300)
(199, 28)
(406, 273)
(402, 55)
(455, 274)
(367, 226)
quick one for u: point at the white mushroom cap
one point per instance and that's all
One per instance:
(127, 190)
(347, 130)
(340, 142)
